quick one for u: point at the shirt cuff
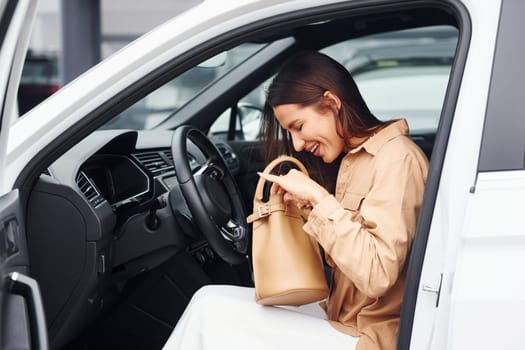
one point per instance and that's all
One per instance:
(321, 213)
(328, 221)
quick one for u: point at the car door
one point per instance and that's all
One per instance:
(22, 322)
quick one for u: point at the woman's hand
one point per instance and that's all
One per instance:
(297, 187)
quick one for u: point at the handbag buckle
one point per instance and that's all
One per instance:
(263, 211)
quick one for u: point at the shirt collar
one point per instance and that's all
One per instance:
(377, 140)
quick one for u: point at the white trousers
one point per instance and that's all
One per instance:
(227, 317)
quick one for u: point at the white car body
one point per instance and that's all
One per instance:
(476, 244)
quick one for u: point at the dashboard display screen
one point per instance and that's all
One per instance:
(117, 178)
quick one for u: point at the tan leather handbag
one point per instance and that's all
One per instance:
(287, 265)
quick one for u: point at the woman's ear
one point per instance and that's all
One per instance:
(335, 101)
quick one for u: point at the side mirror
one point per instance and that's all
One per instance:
(250, 117)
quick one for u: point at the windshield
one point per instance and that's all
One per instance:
(162, 103)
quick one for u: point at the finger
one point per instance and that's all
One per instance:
(289, 198)
(276, 189)
(269, 177)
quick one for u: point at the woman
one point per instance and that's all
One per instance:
(365, 227)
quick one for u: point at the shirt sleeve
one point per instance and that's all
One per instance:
(370, 247)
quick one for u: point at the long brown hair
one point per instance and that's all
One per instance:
(303, 79)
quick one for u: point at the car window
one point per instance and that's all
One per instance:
(166, 100)
(402, 74)
(411, 92)
(248, 117)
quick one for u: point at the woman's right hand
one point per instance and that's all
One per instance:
(297, 187)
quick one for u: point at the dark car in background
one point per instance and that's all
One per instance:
(40, 79)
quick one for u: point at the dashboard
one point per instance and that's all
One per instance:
(121, 168)
(122, 177)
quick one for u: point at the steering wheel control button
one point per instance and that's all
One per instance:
(216, 172)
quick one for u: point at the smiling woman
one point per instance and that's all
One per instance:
(315, 107)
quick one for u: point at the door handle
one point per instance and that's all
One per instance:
(27, 287)
(434, 289)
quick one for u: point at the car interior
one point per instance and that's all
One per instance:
(151, 203)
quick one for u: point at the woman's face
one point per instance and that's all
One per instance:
(311, 131)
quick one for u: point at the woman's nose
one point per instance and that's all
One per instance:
(298, 143)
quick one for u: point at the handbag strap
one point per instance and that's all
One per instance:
(262, 209)
(272, 165)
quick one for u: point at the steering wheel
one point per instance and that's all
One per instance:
(212, 195)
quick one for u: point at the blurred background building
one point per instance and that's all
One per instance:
(70, 36)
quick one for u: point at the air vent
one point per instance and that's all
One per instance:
(158, 162)
(169, 156)
(191, 159)
(88, 189)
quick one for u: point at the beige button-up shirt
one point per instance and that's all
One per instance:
(366, 231)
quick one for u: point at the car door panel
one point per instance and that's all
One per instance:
(21, 300)
(11, 259)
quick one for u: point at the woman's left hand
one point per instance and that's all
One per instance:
(298, 187)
